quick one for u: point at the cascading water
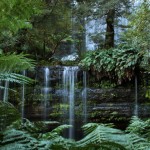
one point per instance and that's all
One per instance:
(46, 90)
(5, 96)
(69, 78)
(23, 97)
(84, 97)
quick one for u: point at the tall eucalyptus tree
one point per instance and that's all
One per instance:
(110, 10)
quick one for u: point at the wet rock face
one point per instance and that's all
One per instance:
(102, 105)
(111, 95)
(116, 104)
(115, 95)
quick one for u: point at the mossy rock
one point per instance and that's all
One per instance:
(8, 114)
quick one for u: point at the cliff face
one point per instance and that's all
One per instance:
(63, 91)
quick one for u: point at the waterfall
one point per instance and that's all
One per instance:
(136, 98)
(84, 97)
(69, 78)
(5, 96)
(46, 89)
(23, 97)
(73, 19)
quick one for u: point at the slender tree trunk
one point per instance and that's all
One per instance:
(109, 37)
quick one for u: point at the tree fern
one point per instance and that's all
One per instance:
(11, 65)
(135, 142)
(56, 132)
(33, 128)
(104, 137)
(139, 127)
(98, 137)
(14, 139)
(14, 77)
(8, 114)
(101, 136)
(136, 125)
(15, 63)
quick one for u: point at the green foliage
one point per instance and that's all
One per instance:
(106, 84)
(59, 142)
(24, 125)
(105, 137)
(13, 77)
(101, 136)
(139, 21)
(8, 114)
(116, 64)
(15, 63)
(56, 132)
(147, 95)
(33, 128)
(15, 139)
(11, 63)
(139, 127)
(15, 14)
(139, 33)
(97, 137)
(51, 29)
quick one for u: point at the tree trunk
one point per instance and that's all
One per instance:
(109, 37)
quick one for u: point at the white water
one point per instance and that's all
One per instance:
(46, 90)
(69, 78)
(5, 96)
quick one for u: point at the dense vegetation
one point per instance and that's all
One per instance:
(115, 64)
(28, 135)
(46, 29)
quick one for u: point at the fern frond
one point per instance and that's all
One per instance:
(139, 127)
(104, 138)
(61, 143)
(3, 87)
(100, 134)
(56, 132)
(135, 142)
(136, 125)
(14, 77)
(88, 128)
(23, 140)
(61, 128)
(15, 63)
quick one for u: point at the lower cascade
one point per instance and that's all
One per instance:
(69, 80)
(46, 90)
(61, 95)
(5, 96)
(61, 83)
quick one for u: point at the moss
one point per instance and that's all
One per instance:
(70, 63)
(52, 62)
